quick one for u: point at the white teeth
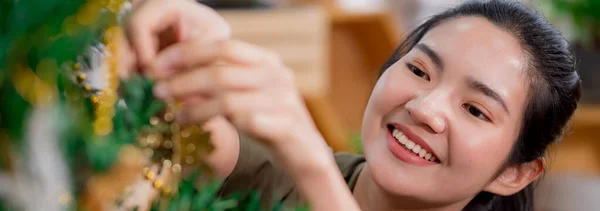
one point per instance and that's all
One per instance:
(401, 138)
(422, 153)
(412, 146)
(416, 149)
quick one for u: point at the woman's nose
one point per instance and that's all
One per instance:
(428, 110)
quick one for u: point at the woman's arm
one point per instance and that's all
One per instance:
(316, 174)
(256, 93)
(226, 141)
(232, 86)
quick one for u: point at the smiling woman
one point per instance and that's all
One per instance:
(488, 85)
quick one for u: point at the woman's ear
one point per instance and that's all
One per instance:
(516, 177)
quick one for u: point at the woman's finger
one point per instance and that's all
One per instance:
(235, 106)
(153, 17)
(210, 81)
(192, 53)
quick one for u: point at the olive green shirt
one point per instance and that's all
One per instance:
(257, 170)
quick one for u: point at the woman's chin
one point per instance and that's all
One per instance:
(394, 178)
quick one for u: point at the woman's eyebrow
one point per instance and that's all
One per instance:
(487, 91)
(434, 56)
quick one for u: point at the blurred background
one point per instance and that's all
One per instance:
(336, 48)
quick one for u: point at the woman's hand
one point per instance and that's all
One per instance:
(155, 24)
(253, 89)
(248, 85)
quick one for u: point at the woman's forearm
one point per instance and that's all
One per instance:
(326, 190)
(317, 176)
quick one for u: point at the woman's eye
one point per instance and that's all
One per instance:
(418, 72)
(476, 112)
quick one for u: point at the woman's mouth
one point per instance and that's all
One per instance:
(407, 150)
(410, 145)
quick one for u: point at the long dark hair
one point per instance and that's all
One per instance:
(553, 94)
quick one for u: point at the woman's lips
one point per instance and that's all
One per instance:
(402, 152)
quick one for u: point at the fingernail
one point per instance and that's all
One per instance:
(161, 90)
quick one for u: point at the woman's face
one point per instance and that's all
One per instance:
(459, 95)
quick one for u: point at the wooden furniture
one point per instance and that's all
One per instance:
(579, 151)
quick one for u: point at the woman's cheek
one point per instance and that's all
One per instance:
(477, 149)
(394, 88)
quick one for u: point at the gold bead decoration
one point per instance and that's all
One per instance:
(81, 77)
(151, 138)
(87, 87)
(189, 159)
(191, 148)
(154, 120)
(150, 175)
(169, 117)
(176, 168)
(186, 133)
(76, 66)
(94, 99)
(167, 144)
(167, 163)
(157, 184)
